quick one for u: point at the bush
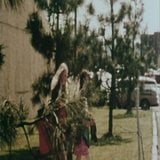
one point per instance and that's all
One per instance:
(98, 98)
(10, 116)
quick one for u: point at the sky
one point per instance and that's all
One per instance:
(151, 15)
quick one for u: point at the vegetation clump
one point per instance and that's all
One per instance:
(10, 116)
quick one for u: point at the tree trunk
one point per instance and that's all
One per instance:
(112, 105)
(57, 55)
(112, 100)
(75, 45)
(129, 100)
(10, 151)
(75, 21)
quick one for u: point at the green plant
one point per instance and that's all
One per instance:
(10, 115)
(8, 120)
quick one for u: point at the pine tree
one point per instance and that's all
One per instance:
(130, 57)
(79, 43)
(121, 46)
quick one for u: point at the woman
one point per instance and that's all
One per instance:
(81, 147)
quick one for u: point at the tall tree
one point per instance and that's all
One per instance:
(49, 44)
(64, 32)
(89, 49)
(75, 6)
(58, 18)
(59, 42)
(120, 46)
(115, 21)
(131, 59)
(147, 52)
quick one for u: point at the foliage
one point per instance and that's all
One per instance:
(89, 49)
(58, 6)
(49, 45)
(65, 39)
(1, 55)
(127, 132)
(148, 57)
(85, 48)
(131, 64)
(41, 87)
(98, 98)
(78, 49)
(76, 110)
(91, 10)
(22, 111)
(61, 35)
(71, 129)
(10, 115)
(124, 62)
(41, 41)
(95, 96)
(77, 113)
(8, 121)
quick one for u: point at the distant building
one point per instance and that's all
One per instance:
(22, 63)
(153, 41)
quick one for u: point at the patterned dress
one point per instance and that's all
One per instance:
(81, 147)
(44, 138)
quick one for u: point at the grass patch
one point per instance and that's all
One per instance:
(20, 154)
(126, 115)
(25, 154)
(114, 140)
(122, 146)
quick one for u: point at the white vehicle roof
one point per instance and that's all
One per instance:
(146, 79)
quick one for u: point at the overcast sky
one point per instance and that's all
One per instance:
(152, 15)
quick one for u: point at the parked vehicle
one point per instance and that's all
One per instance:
(149, 94)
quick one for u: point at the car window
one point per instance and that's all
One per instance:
(147, 87)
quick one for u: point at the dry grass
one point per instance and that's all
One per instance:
(125, 127)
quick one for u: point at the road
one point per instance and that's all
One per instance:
(156, 133)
